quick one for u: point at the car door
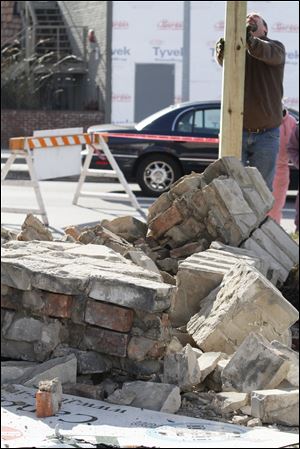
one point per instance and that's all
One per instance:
(200, 126)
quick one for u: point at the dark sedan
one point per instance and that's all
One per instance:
(165, 146)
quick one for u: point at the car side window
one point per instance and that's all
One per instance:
(212, 119)
(185, 123)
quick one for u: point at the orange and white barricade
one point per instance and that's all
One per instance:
(25, 146)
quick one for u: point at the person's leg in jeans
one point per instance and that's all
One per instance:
(260, 150)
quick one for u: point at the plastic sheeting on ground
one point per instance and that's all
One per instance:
(89, 423)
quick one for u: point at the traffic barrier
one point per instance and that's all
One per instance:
(95, 142)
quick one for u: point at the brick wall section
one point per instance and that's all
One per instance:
(16, 123)
(10, 23)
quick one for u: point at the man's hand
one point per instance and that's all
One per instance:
(220, 46)
(250, 29)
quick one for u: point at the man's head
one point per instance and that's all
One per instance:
(254, 18)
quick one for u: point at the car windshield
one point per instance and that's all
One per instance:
(144, 123)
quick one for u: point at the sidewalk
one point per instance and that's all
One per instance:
(58, 197)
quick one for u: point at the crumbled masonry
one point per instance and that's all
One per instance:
(182, 313)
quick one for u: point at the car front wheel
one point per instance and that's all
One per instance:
(156, 173)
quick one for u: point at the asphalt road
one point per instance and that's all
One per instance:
(58, 197)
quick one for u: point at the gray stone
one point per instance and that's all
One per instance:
(246, 302)
(127, 227)
(64, 368)
(54, 268)
(149, 395)
(229, 214)
(276, 406)
(207, 362)
(88, 362)
(276, 233)
(272, 248)
(12, 370)
(243, 254)
(182, 369)
(142, 260)
(25, 329)
(293, 357)
(213, 381)
(276, 271)
(255, 365)
(195, 280)
(230, 401)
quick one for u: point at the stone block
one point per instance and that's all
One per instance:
(34, 229)
(196, 278)
(140, 348)
(256, 365)
(142, 260)
(269, 245)
(229, 214)
(127, 227)
(276, 272)
(260, 186)
(57, 305)
(108, 316)
(241, 254)
(227, 166)
(12, 370)
(207, 362)
(161, 204)
(246, 302)
(165, 221)
(153, 326)
(88, 362)
(276, 406)
(53, 267)
(227, 402)
(293, 358)
(148, 395)
(182, 369)
(64, 368)
(276, 233)
(105, 341)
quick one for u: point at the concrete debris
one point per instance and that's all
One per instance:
(207, 362)
(128, 228)
(182, 369)
(246, 302)
(150, 395)
(256, 365)
(293, 357)
(276, 406)
(13, 370)
(231, 401)
(140, 314)
(34, 229)
(64, 368)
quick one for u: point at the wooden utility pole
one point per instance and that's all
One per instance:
(233, 80)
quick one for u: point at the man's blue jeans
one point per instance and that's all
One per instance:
(260, 150)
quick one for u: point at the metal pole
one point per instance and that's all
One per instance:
(27, 38)
(185, 91)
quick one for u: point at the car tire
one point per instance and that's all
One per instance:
(156, 173)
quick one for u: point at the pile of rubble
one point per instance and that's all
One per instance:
(180, 314)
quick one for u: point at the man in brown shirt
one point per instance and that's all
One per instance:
(265, 59)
